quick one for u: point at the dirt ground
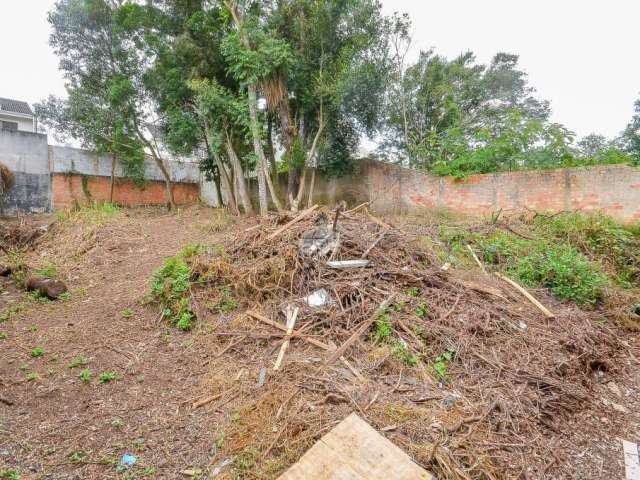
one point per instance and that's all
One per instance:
(61, 427)
(54, 425)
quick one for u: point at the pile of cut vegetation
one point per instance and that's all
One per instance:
(463, 369)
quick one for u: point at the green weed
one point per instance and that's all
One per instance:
(422, 311)
(33, 376)
(567, 273)
(9, 474)
(413, 292)
(169, 285)
(106, 377)
(127, 313)
(48, 270)
(400, 352)
(37, 352)
(441, 364)
(383, 328)
(3, 335)
(85, 375)
(192, 250)
(11, 311)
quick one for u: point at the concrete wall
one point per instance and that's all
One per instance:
(612, 189)
(25, 153)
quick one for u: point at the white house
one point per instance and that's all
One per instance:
(16, 115)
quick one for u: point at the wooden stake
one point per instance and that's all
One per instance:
(288, 225)
(529, 297)
(292, 316)
(475, 257)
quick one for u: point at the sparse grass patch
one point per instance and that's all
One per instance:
(79, 362)
(90, 214)
(11, 311)
(48, 270)
(3, 335)
(9, 474)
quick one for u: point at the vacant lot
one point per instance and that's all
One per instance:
(102, 372)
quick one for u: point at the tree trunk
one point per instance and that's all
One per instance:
(226, 183)
(311, 187)
(243, 192)
(271, 154)
(257, 147)
(113, 178)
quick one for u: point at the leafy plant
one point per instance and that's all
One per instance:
(169, 285)
(441, 364)
(11, 311)
(565, 271)
(383, 327)
(37, 352)
(106, 377)
(192, 250)
(413, 292)
(85, 375)
(127, 313)
(422, 311)
(3, 335)
(33, 376)
(400, 352)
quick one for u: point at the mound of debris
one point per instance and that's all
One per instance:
(469, 373)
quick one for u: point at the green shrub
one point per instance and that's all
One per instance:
(169, 286)
(567, 273)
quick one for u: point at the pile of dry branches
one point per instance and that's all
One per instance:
(462, 370)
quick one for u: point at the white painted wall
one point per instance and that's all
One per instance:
(24, 124)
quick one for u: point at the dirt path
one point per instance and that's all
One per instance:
(61, 427)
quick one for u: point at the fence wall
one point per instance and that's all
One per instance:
(612, 189)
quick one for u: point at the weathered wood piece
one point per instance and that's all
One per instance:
(529, 297)
(353, 450)
(286, 226)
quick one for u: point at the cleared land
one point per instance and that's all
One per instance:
(467, 390)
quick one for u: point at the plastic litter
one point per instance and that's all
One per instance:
(318, 298)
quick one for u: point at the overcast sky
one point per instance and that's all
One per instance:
(580, 54)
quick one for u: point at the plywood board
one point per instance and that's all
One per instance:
(631, 460)
(353, 450)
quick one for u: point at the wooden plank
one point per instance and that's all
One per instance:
(353, 450)
(631, 460)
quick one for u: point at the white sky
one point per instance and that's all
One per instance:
(580, 54)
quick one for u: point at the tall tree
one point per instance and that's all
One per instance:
(104, 63)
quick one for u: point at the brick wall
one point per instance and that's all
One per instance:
(613, 189)
(68, 190)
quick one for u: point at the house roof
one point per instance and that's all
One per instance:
(15, 106)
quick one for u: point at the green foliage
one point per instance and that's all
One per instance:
(565, 271)
(192, 250)
(11, 311)
(106, 377)
(422, 311)
(400, 352)
(49, 270)
(169, 286)
(37, 352)
(383, 328)
(441, 364)
(85, 375)
(3, 335)
(127, 313)
(413, 292)
(9, 474)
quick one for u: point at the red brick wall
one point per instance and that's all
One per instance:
(613, 189)
(67, 190)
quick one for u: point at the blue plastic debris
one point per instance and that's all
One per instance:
(128, 460)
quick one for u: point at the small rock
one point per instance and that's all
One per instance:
(614, 389)
(52, 289)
